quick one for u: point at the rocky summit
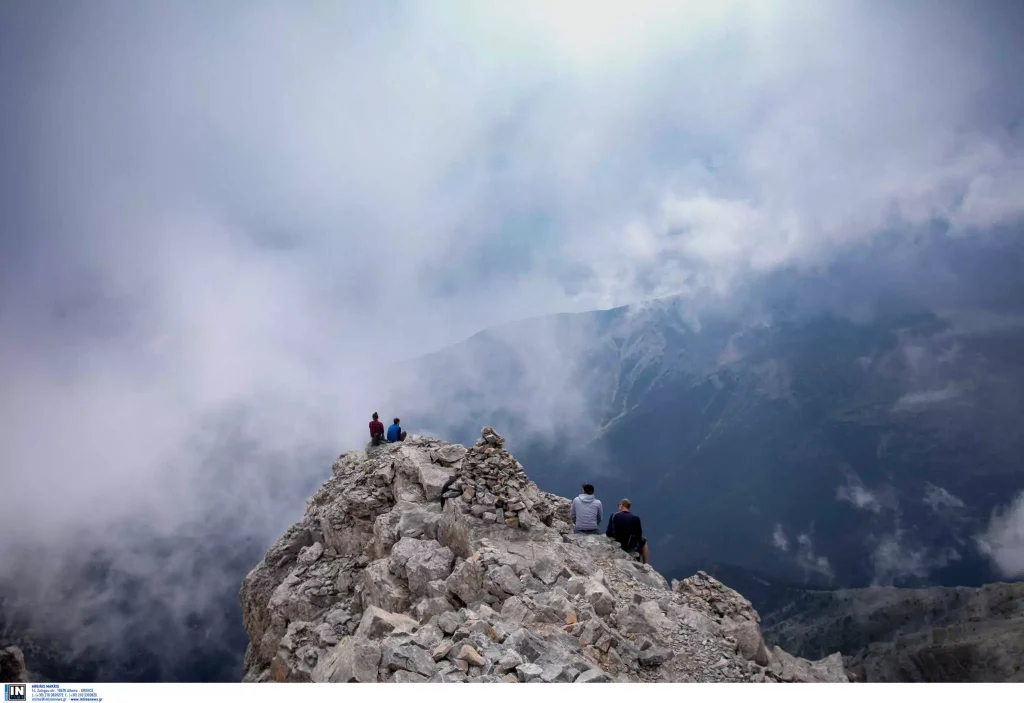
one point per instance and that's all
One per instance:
(424, 561)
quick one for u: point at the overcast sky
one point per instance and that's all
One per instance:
(241, 204)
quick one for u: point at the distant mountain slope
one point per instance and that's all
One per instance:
(893, 634)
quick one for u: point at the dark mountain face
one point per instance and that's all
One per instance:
(812, 437)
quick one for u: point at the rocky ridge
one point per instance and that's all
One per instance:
(427, 561)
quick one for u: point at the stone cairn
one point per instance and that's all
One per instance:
(493, 484)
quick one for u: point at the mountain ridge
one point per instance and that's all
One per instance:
(427, 561)
(899, 635)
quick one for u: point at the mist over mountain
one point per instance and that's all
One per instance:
(844, 429)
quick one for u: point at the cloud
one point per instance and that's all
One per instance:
(226, 229)
(811, 562)
(1003, 541)
(939, 499)
(895, 559)
(779, 539)
(858, 495)
(914, 401)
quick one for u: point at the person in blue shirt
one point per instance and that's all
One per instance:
(395, 432)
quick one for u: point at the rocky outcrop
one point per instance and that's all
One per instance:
(427, 561)
(902, 634)
(12, 666)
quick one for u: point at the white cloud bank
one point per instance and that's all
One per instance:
(1003, 541)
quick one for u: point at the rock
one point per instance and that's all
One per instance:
(419, 522)
(599, 597)
(403, 550)
(402, 676)
(451, 454)
(577, 585)
(326, 635)
(12, 665)
(427, 608)
(338, 616)
(655, 656)
(397, 655)
(466, 581)
(788, 668)
(437, 589)
(509, 661)
(468, 654)
(645, 618)
(383, 589)
(551, 607)
(528, 672)
(527, 644)
(354, 660)
(558, 672)
(426, 566)
(502, 582)
(448, 622)
(442, 649)
(431, 477)
(491, 437)
(749, 641)
(594, 676)
(428, 636)
(377, 623)
(514, 611)
(308, 555)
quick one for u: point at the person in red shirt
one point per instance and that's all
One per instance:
(376, 431)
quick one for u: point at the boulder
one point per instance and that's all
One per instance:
(377, 623)
(428, 565)
(785, 667)
(354, 660)
(502, 582)
(466, 581)
(594, 676)
(398, 655)
(402, 676)
(427, 608)
(383, 589)
(308, 555)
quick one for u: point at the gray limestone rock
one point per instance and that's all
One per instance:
(466, 581)
(397, 655)
(501, 581)
(594, 676)
(355, 660)
(377, 623)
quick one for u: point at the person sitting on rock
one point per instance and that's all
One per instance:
(376, 431)
(395, 432)
(624, 527)
(586, 511)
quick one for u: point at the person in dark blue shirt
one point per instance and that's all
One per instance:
(395, 432)
(624, 527)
